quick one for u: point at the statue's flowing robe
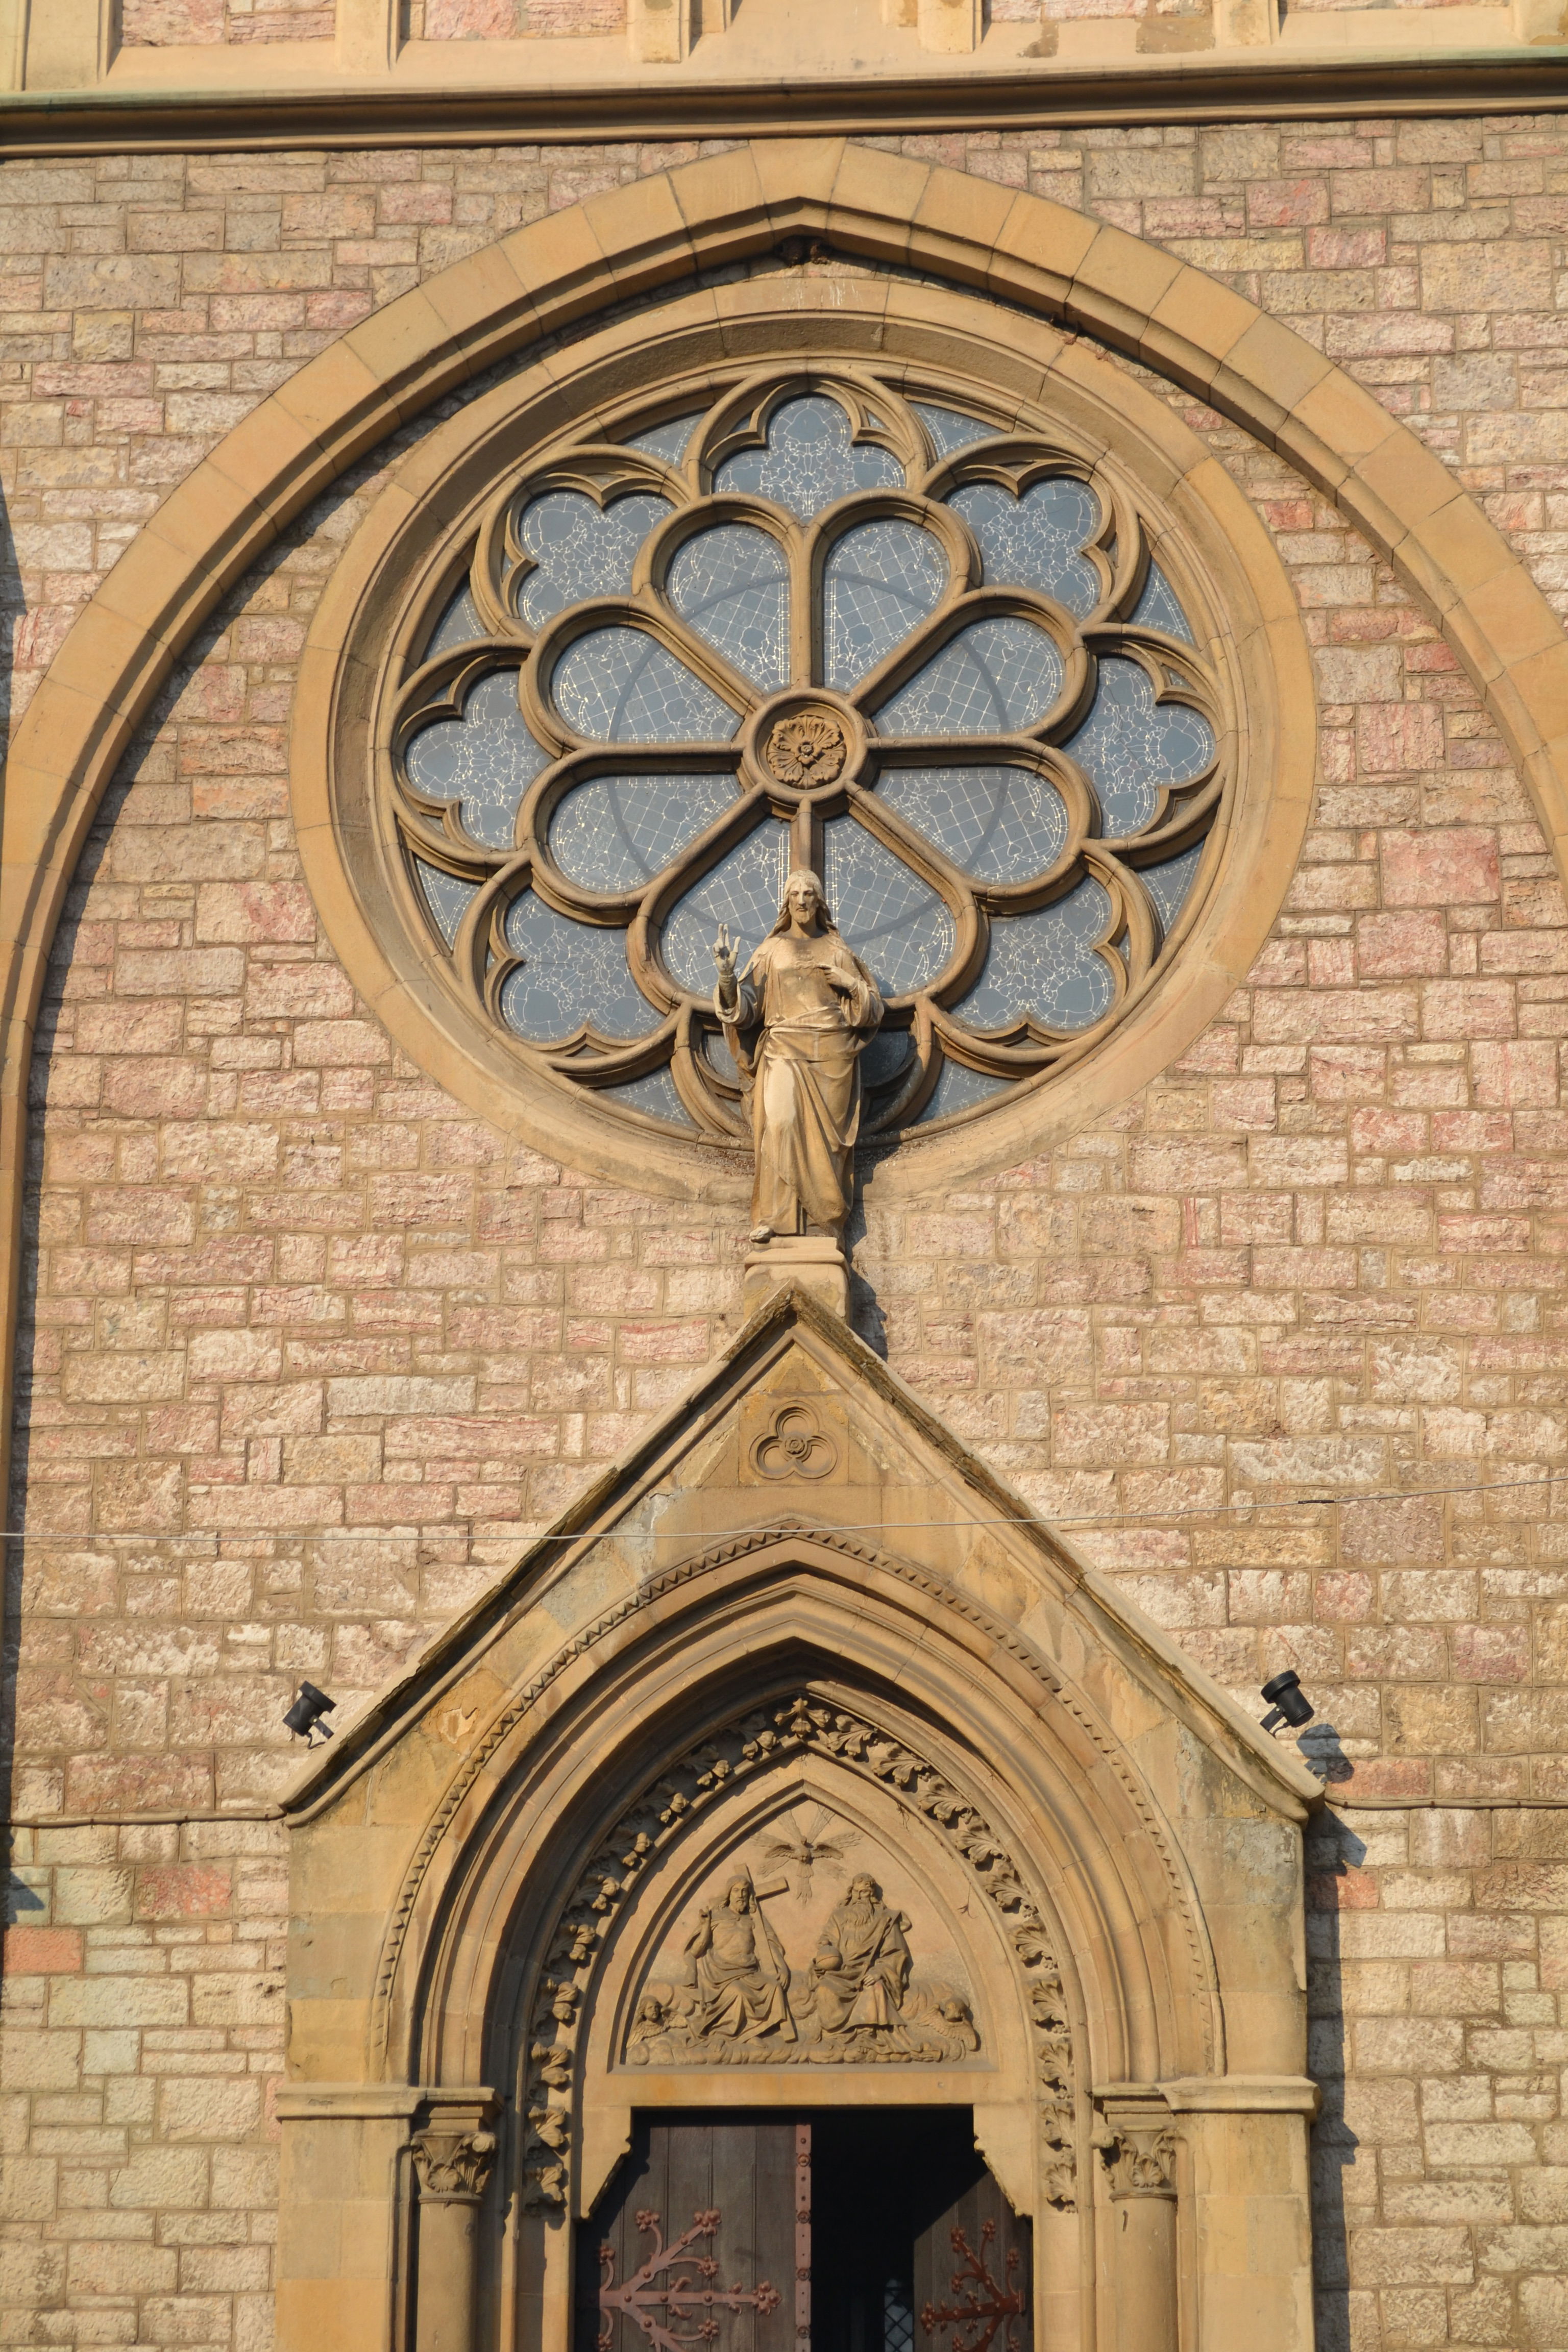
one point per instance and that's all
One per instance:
(861, 1967)
(799, 1038)
(742, 1975)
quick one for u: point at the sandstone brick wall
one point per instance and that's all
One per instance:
(508, 20)
(283, 1292)
(171, 24)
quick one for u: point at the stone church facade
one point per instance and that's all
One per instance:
(797, 1855)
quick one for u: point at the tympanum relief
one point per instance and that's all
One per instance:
(797, 1954)
(835, 1952)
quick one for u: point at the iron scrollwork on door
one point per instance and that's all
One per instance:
(675, 2284)
(981, 2305)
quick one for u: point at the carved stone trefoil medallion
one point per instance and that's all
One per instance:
(808, 748)
(795, 1446)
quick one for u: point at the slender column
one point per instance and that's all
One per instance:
(453, 2167)
(949, 27)
(70, 44)
(1140, 2151)
(659, 31)
(1245, 24)
(367, 36)
(12, 43)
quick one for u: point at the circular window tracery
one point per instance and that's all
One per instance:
(826, 622)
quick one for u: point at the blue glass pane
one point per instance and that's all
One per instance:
(447, 896)
(617, 685)
(897, 924)
(1169, 883)
(1001, 824)
(617, 831)
(655, 1094)
(882, 580)
(459, 625)
(888, 1058)
(669, 440)
(1044, 965)
(992, 678)
(580, 549)
(1130, 746)
(960, 1089)
(1157, 608)
(733, 585)
(742, 890)
(571, 973)
(1034, 541)
(809, 460)
(486, 760)
(949, 431)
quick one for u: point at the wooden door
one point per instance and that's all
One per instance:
(972, 2262)
(697, 2244)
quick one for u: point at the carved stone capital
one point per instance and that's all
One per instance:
(1141, 2157)
(454, 2166)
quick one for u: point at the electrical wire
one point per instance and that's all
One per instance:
(838, 1527)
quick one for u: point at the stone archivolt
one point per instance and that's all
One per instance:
(935, 2029)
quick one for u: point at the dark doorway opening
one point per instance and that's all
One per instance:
(820, 2230)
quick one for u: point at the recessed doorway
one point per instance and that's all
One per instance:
(821, 2230)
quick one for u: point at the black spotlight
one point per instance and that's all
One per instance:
(1287, 1702)
(304, 1717)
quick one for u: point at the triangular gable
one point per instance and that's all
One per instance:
(799, 1428)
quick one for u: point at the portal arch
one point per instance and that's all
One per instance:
(1065, 1895)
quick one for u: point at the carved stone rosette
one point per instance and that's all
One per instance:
(758, 1741)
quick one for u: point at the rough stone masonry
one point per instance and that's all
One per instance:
(277, 1288)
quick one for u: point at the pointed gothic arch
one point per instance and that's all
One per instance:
(1091, 1859)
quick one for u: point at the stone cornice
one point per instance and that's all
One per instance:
(1242, 85)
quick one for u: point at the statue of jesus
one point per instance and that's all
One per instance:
(798, 1019)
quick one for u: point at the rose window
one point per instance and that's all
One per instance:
(823, 621)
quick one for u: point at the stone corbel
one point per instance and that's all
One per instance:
(1137, 2143)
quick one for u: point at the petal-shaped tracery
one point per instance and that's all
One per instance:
(935, 829)
(732, 585)
(1130, 746)
(485, 760)
(895, 922)
(568, 974)
(880, 581)
(580, 548)
(809, 459)
(742, 890)
(995, 675)
(1035, 541)
(1042, 967)
(1000, 823)
(619, 686)
(617, 831)
(948, 430)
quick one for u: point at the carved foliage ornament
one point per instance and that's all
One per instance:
(758, 1742)
(819, 617)
(453, 2167)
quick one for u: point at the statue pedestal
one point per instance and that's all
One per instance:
(809, 1260)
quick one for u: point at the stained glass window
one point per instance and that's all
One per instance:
(819, 618)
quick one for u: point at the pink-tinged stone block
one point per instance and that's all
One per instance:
(1454, 866)
(43, 1951)
(471, 20)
